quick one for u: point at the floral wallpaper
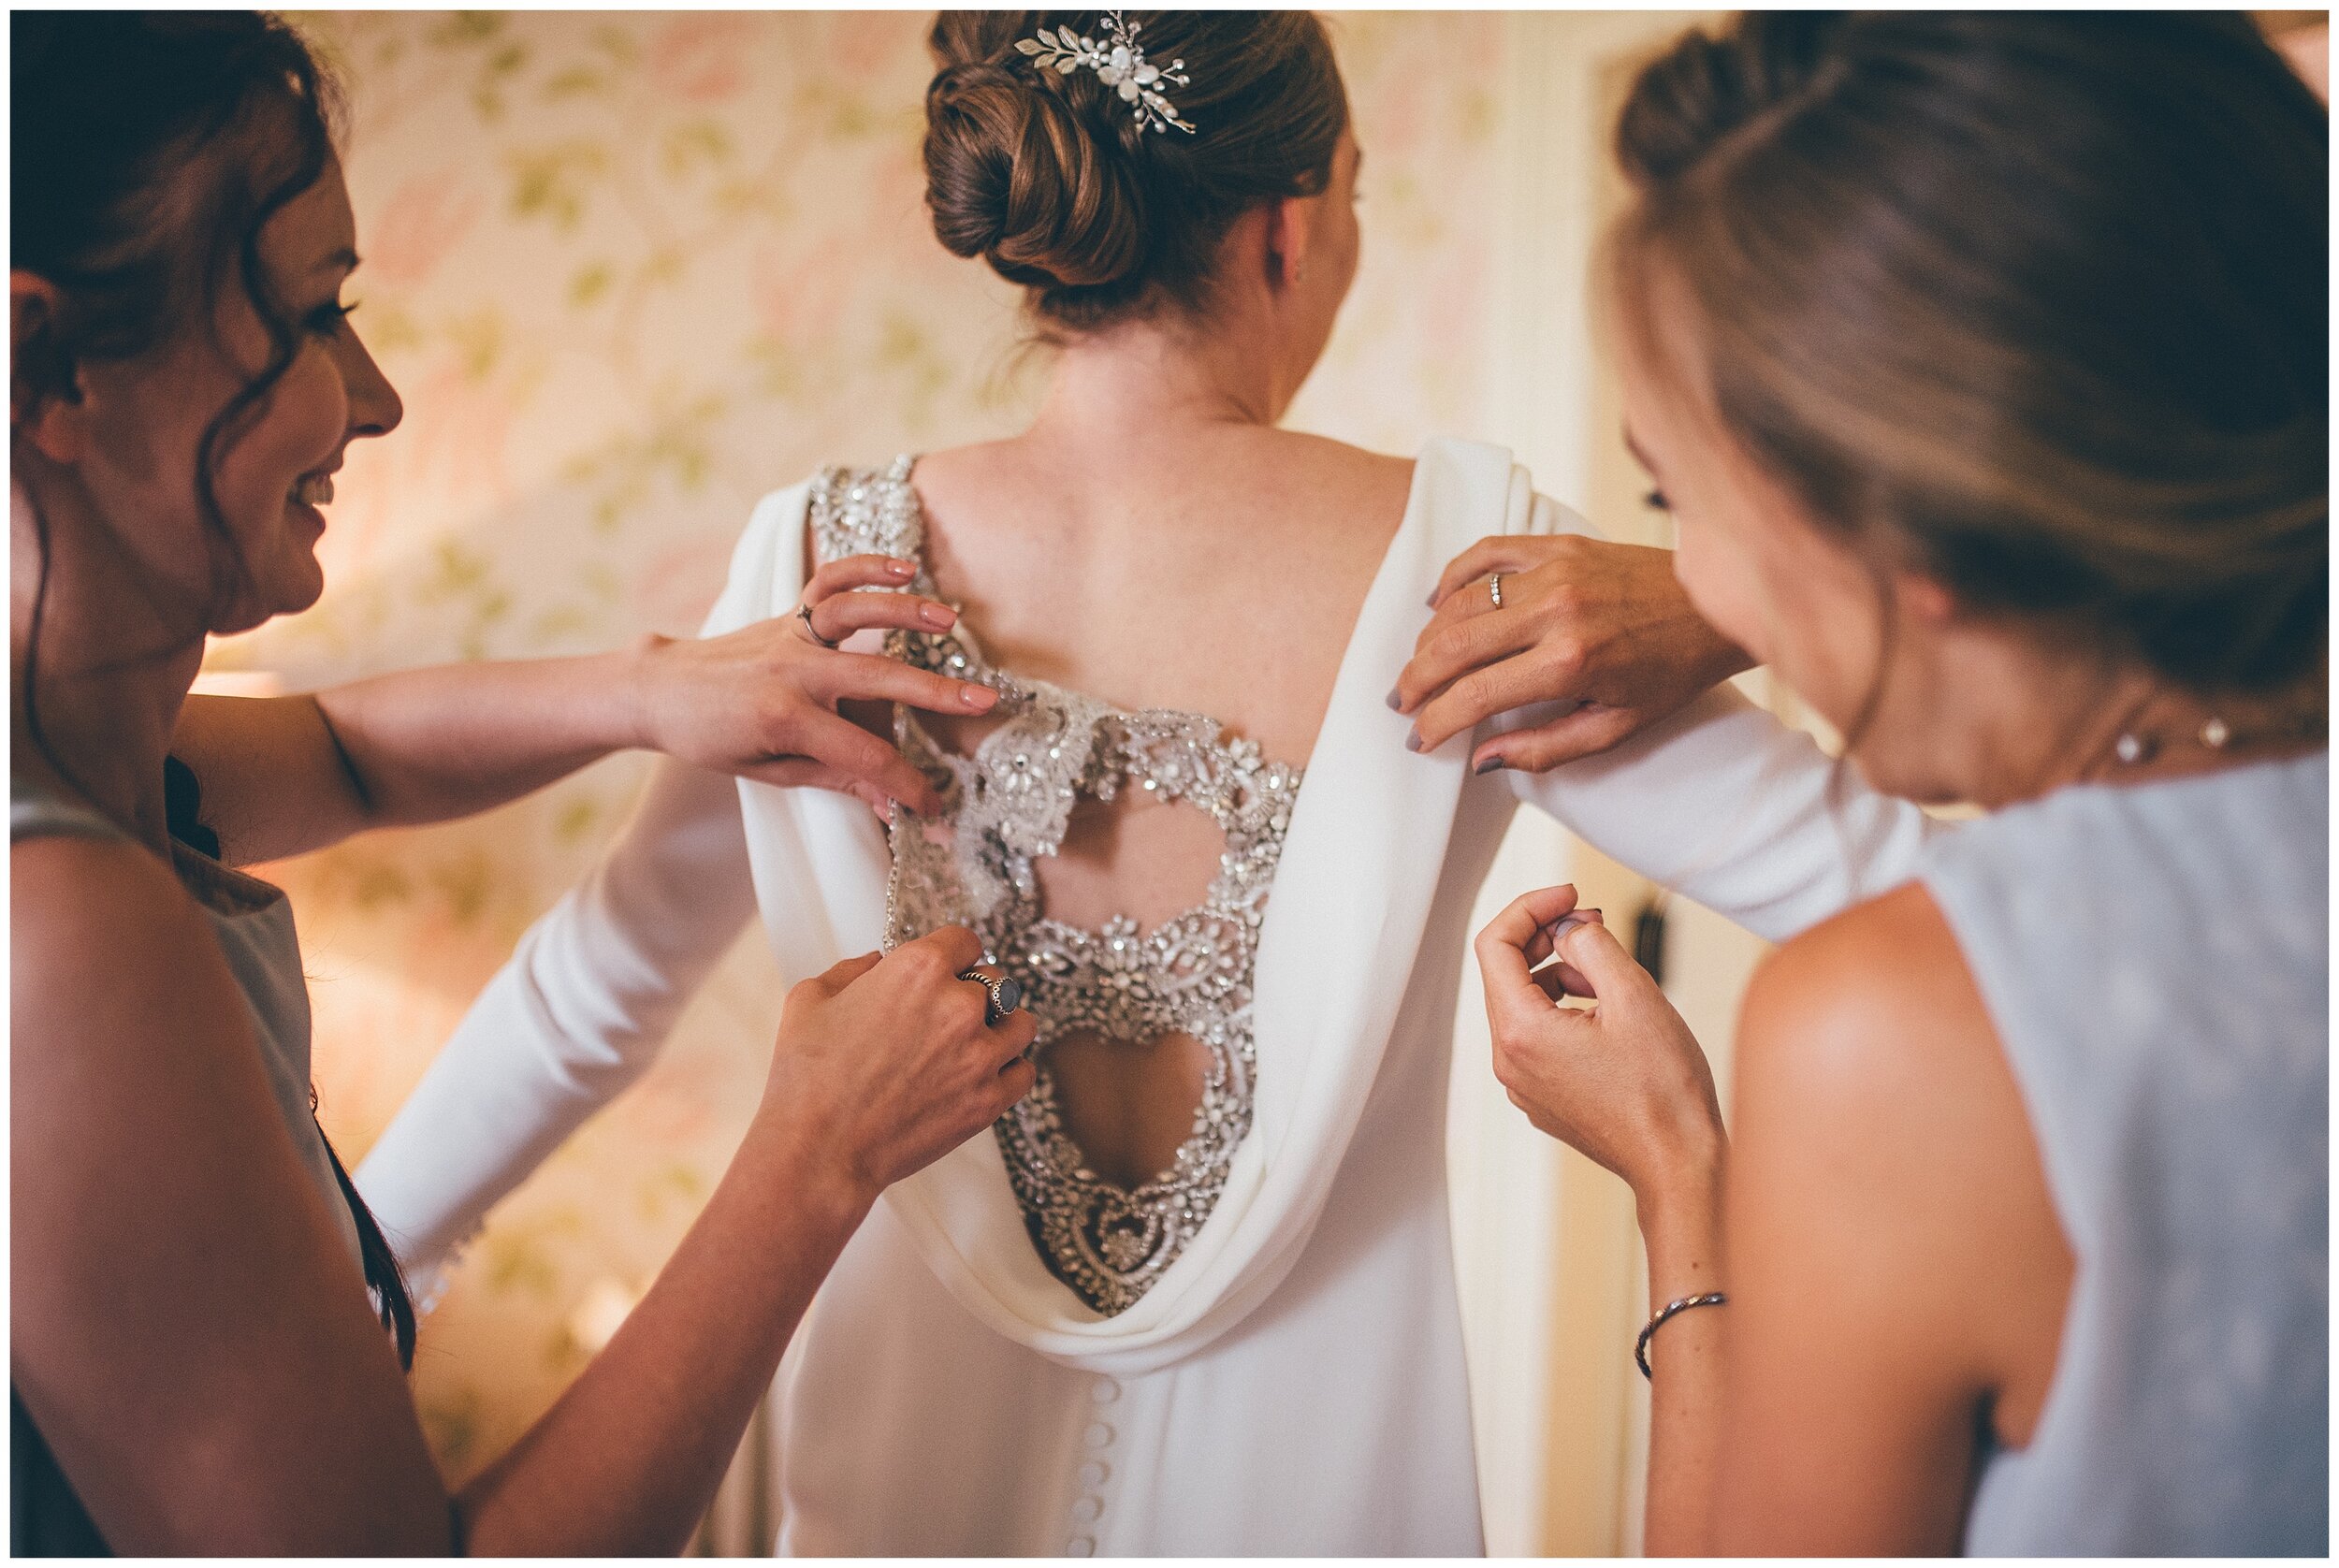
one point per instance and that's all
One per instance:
(631, 272)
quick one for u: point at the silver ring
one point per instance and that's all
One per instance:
(1494, 586)
(804, 614)
(1006, 994)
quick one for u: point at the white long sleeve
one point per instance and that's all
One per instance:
(578, 1013)
(1727, 806)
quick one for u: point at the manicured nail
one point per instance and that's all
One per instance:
(1396, 700)
(937, 615)
(1432, 599)
(1412, 740)
(902, 570)
(1488, 766)
(976, 697)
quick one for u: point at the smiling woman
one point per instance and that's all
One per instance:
(198, 1297)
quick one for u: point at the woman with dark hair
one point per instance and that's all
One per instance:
(1983, 361)
(1196, 1294)
(195, 1362)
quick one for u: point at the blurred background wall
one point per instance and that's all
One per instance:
(633, 271)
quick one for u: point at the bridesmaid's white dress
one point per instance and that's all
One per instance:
(1293, 1383)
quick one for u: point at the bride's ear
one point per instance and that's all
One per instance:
(1290, 237)
(44, 394)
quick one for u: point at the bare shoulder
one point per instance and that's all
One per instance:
(1876, 1106)
(1349, 479)
(108, 957)
(1840, 1006)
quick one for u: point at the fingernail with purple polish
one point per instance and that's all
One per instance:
(1413, 741)
(1488, 765)
(1396, 700)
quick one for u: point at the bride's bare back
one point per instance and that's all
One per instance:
(1218, 575)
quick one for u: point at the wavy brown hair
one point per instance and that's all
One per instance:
(148, 152)
(2036, 304)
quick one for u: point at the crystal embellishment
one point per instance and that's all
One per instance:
(1007, 805)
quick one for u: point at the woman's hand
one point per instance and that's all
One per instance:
(1623, 1080)
(887, 1063)
(761, 702)
(1583, 620)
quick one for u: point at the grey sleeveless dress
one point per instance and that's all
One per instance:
(254, 924)
(2156, 959)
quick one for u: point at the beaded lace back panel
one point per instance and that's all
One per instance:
(1007, 805)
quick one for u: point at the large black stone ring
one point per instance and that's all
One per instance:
(1006, 994)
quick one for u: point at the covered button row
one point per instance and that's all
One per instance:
(1088, 1508)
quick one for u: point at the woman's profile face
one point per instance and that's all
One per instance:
(1796, 598)
(273, 469)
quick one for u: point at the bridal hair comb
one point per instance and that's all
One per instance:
(1119, 64)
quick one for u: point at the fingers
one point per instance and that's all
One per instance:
(840, 616)
(1502, 946)
(1542, 674)
(857, 571)
(1541, 947)
(844, 971)
(1015, 1080)
(1448, 653)
(1587, 732)
(1593, 951)
(952, 947)
(1510, 552)
(1559, 981)
(871, 677)
(1015, 1033)
(854, 755)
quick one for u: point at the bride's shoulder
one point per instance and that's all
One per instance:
(1347, 479)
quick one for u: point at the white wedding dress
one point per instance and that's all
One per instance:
(1293, 1382)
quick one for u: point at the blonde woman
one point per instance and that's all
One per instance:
(2024, 1230)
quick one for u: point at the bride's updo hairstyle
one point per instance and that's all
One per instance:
(2035, 304)
(1050, 177)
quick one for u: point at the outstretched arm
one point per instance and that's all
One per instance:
(283, 776)
(1727, 806)
(190, 1332)
(578, 1013)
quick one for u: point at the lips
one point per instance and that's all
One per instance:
(314, 489)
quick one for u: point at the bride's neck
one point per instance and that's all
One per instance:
(105, 703)
(1143, 385)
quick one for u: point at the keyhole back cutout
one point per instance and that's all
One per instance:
(1118, 864)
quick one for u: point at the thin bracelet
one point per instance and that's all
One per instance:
(1640, 1350)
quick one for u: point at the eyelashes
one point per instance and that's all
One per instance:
(326, 319)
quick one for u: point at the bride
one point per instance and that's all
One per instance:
(1196, 1294)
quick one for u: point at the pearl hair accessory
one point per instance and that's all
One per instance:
(1119, 64)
